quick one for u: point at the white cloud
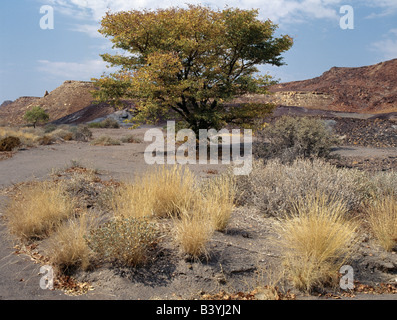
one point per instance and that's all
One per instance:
(73, 70)
(387, 47)
(274, 9)
(90, 29)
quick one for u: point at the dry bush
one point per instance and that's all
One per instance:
(296, 137)
(61, 133)
(383, 184)
(105, 141)
(274, 187)
(124, 241)
(68, 249)
(159, 192)
(218, 198)
(81, 133)
(38, 210)
(317, 240)
(28, 136)
(382, 219)
(105, 124)
(9, 143)
(130, 139)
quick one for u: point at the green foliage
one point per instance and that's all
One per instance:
(296, 137)
(36, 114)
(9, 143)
(126, 241)
(189, 62)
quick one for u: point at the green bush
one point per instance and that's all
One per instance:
(9, 143)
(125, 241)
(290, 138)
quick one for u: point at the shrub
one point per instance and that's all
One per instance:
(46, 140)
(50, 127)
(290, 138)
(126, 241)
(9, 143)
(130, 139)
(383, 184)
(382, 219)
(38, 210)
(105, 141)
(317, 240)
(274, 187)
(107, 123)
(61, 133)
(81, 133)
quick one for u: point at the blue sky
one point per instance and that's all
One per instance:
(33, 60)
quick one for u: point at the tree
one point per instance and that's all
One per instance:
(35, 115)
(190, 63)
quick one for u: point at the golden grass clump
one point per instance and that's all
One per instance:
(382, 219)
(219, 198)
(38, 210)
(158, 193)
(68, 248)
(193, 230)
(28, 137)
(317, 239)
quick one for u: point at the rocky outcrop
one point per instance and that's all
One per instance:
(6, 103)
(70, 97)
(369, 89)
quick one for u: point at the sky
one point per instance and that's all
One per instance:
(40, 50)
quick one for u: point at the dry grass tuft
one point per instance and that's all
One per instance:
(27, 136)
(38, 210)
(382, 218)
(68, 248)
(219, 197)
(193, 231)
(105, 141)
(157, 193)
(317, 239)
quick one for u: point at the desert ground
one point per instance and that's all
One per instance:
(242, 257)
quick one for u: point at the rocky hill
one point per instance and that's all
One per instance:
(369, 89)
(5, 103)
(70, 97)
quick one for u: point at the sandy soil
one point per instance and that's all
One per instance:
(237, 255)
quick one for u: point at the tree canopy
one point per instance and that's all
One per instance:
(190, 62)
(36, 114)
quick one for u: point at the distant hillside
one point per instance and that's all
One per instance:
(70, 97)
(370, 89)
(5, 103)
